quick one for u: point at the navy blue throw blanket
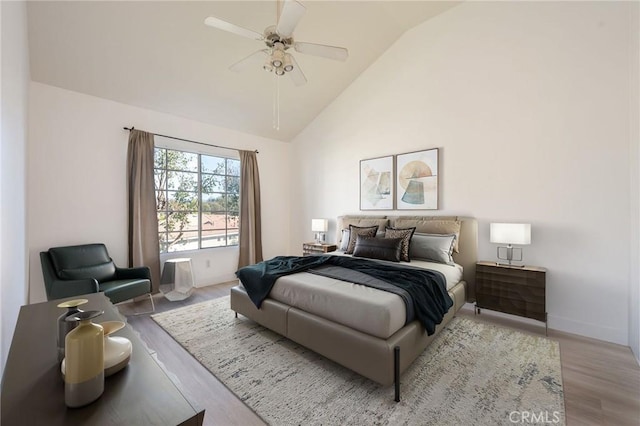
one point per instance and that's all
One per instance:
(427, 288)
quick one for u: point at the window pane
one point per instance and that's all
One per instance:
(214, 202)
(232, 237)
(159, 158)
(162, 237)
(179, 160)
(213, 221)
(212, 238)
(233, 220)
(180, 241)
(212, 164)
(162, 221)
(161, 200)
(213, 183)
(233, 167)
(233, 185)
(182, 221)
(184, 181)
(182, 201)
(233, 202)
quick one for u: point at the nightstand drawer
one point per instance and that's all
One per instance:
(510, 275)
(511, 306)
(511, 291)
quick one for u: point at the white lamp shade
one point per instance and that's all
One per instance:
(319, 225)
(510, 233)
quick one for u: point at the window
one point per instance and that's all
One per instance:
(197, 198)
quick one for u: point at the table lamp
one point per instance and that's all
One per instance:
(320, 227)
(510, 233)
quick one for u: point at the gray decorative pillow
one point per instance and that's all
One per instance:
(378, 248)
(406, 235)
(354, 231)
(344, 240)
(433, 247)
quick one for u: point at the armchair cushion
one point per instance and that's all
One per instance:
(120, 290)
(86, 261)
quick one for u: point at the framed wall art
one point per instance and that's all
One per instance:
(377, 183)
(417, 180)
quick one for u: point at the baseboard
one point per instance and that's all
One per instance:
(219, 279)
(595, 331)
(567, 325)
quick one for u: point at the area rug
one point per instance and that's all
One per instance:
(473, 373)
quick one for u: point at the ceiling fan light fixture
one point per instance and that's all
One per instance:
(267, 65)
(279, 71)
(277, 58)
(288, 65)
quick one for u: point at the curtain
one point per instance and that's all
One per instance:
(250, 224)
(144, 247)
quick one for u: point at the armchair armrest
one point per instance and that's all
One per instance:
(140, 272)
(68, 288)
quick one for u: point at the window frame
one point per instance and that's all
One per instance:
(163, 228)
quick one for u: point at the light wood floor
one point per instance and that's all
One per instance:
(601, 380)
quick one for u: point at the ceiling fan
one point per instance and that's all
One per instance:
(279, 39)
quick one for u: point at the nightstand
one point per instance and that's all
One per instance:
(317, 248)
(515, 290)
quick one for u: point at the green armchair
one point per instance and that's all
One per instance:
(75, 270)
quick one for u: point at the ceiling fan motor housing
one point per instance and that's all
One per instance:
(271, 37)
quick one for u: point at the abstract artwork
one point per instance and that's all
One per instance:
(376, 183)
(417, 180)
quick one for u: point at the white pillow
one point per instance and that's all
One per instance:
(344, 240)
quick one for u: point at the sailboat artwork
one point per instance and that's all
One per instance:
(418, 180)
(376, 184)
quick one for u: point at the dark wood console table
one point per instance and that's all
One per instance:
(33, 389)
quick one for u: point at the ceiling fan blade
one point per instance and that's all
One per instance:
(296, 74)
(254, 60)
(232, 28)
(331, 52)
(291, 13)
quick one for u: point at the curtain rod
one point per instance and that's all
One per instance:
(187, 140)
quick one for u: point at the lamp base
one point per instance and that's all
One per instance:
(509, 256)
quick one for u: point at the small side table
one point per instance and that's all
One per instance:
(177, 279)
(515, 290)
(317, 248)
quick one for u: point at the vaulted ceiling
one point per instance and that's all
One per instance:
(161, 56)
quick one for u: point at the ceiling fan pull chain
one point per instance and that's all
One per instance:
(276, 103)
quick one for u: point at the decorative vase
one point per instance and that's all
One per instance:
(65, 327)
(117, 349)
(84, 360)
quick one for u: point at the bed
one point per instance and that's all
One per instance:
(325, 314)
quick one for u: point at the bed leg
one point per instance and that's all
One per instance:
(236, 315)
(396, 371)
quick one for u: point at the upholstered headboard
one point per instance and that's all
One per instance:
(467, 254)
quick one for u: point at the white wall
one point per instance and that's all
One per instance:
(77, 178)
(530, 106)
(634, 157)
(14, 90)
